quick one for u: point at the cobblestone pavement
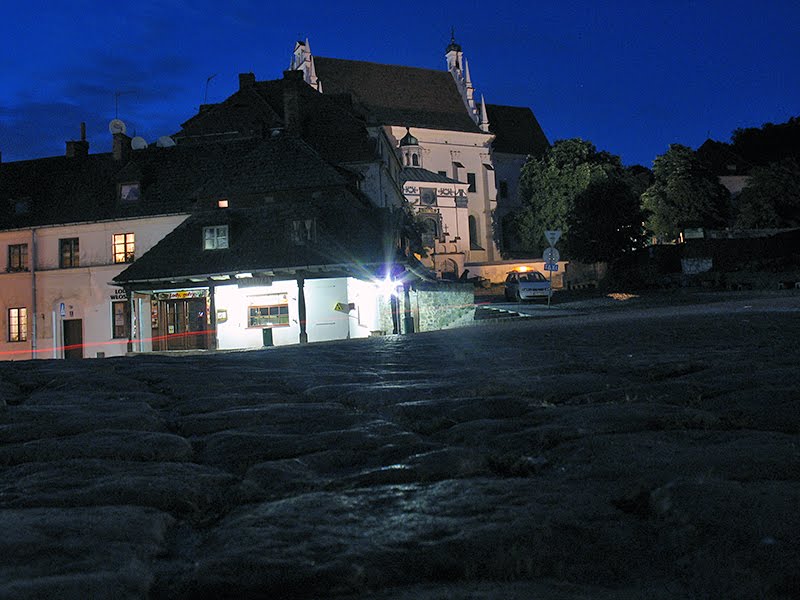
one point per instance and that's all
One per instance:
(650, 451)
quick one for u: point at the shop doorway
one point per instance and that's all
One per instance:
(73, 338)
(181, 324)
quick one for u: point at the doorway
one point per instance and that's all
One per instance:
(73, 338)
(182, 324)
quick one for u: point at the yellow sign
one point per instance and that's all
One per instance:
(345, 308)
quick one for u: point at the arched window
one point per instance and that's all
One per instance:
(415, 160)
(430, 232)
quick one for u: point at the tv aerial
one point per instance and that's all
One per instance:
(138, 143)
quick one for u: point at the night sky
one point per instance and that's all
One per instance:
(630, 77)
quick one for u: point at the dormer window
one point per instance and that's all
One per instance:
(222, 203)
(129, 192)
(215, 237)
(22, 206)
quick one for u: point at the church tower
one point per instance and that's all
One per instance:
(410, 152)
(459, 69)
(303, 60)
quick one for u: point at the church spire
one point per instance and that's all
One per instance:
(484, 122)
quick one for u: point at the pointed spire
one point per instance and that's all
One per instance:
(484, 117)
(466, 69)
(308, 47)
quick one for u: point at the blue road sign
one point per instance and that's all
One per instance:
(551, 266)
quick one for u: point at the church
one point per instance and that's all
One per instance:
(461, 156)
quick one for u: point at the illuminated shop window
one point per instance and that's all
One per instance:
(123, 247)
(119, 319)
(276, 315)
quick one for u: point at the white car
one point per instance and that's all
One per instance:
(526, 285)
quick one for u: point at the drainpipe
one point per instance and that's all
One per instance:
(34, 312)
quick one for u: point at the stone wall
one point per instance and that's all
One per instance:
(434, 305)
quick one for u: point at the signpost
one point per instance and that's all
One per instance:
(551, 256)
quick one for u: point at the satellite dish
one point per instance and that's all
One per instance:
(116, 126)
(138, 143)
(165, 142)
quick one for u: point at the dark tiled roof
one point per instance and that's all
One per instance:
(328, 124)
(417, 174)
(69, 190)
(260, 239)
(517, 130)
(396, 95)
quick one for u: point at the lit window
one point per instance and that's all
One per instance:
(471, 182)
(129, 192)
(18, 257)
(123, 247)
(69, 253)
(215, 237)
(304, 232)
(17, 324)
(120, 312)
(223, 203)
(276, 315)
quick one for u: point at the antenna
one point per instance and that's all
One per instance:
(117, 94)
(208, 80)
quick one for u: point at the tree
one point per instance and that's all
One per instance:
(768, 143)
(771, 198)
(684, 194)
(549, 186)
(605, 222)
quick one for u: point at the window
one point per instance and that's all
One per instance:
(123, 247)
(18, 257)
(442, 173)
(471, 182)
(502, 189)
(276, 315)
(129, 192)
(222, 203)
(304, 232)
(427, 196)
(215, 237)
(473, 234)
(17, 324)
(22, 206)
(69, 253)
(414, 160)
(430, 232)
(120, 317)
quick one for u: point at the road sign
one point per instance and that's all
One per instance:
(552, 236)
(548, 266)
(550, 255)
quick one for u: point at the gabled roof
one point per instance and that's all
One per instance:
(516, 129)
(397, 95)
(327, 124)
(348, 235)
(418, 174)
(172, 180)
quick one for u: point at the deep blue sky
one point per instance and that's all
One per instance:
(632, 77)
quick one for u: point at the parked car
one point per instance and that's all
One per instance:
(526, 285)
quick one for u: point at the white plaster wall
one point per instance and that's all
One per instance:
(85, 290)
(439, 150)
(366, 316)
(323, 322)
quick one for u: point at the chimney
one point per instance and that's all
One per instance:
(292, 80)
(122, 147)
(79, 148)
(247, 80)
